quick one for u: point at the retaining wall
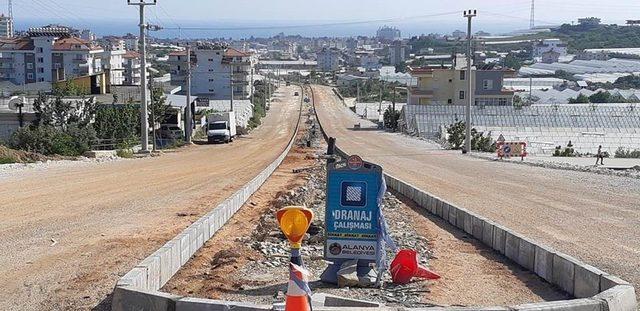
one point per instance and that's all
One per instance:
(593, 289)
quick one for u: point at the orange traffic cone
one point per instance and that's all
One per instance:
(405, 267)
(298, 292)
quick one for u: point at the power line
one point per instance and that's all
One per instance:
(346, 23)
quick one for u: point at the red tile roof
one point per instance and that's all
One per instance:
(131, 54)
(231, 52)
(73, 44)
(16, 44)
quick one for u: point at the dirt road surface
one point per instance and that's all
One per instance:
(595, 218)
(68, 234)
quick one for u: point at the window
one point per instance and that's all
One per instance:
(40, 60)
(450, 101)
(40, 79)
(450, 80)
(211, 59)
(30, 76)
(461, 94)
(29, 65)
(210, 80)
(56, 66)
(487, 85)
(179, 68)
(40, 50)
(463, 75)
(40, 70)
(211, 90)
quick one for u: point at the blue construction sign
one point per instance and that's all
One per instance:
(352, 210)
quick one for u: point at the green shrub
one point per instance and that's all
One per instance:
(479, 141)
(8, 160)
(627, 153)
(125, 153)
(48, 140)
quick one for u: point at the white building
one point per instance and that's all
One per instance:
(132, 68)
(547, 45)
(217, 71)
(328, 59)
(131, 42)
(6, 26)
(113, 60)
(387, 33)
(47, 54)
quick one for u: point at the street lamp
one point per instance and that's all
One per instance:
(470, 14)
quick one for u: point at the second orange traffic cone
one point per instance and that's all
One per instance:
(298, 292)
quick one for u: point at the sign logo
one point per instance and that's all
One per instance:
(335, 249)
(355, 162)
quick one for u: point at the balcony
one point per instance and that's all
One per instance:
(414, 91)
(6, 59)
(79, 60)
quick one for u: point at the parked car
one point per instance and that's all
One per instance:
(170, 131)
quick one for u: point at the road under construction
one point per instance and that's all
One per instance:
(70, 233)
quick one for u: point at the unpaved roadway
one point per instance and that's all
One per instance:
(595, 218)
(67, 234)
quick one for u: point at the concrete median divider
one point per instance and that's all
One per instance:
(593, 289)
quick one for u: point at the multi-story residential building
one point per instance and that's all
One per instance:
(131, 42)
(328, 59)
(547, 45)
(132, 73)
(87, 35)
(47, 54)
(386, 33)
(113, 60)
(442, 86)
(397, 52)
(6, 26)
(217, 71)
(370, 61)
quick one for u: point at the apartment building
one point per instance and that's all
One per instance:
(218, 71)
(397, 52)
(132, 72)
(448, 86)
(131, 42)
(48, 54)
(6, 26)
(328, 59)
(113, 60)
(386, 33)
(548, 45)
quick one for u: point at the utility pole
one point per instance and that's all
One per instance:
(187, 114)
(231, 83)
(144, 122)
(532, 23)
(358, 91)
(469, 15)
(153, 115)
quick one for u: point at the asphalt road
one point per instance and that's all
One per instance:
(68, 233)
(595, 218)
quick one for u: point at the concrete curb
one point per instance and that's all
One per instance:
(138, 289)
(578, 279)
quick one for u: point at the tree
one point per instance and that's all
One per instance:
(600, 97)
(580, 99)
(391, 118)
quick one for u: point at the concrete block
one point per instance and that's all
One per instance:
(478, 227)
(176, 258)
(213, 223)
(499, 238)
(468, 222)
(336, 301)
(199, 304)
(433, 203)
(543, 264)
(511, 245)
(619, 298)
(129, 299)
(564, 272)
(136, 277)
(487, 233)
(564, 305)
(152, 266)
(445, 211)
(610, 281)
(586, 281)
(453, 214)
(193, 240)
(205, 228)
(527, 255)
(461, 218)
(439, 208)
(166, 265)
(185, 248)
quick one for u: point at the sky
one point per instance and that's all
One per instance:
(234, 17)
